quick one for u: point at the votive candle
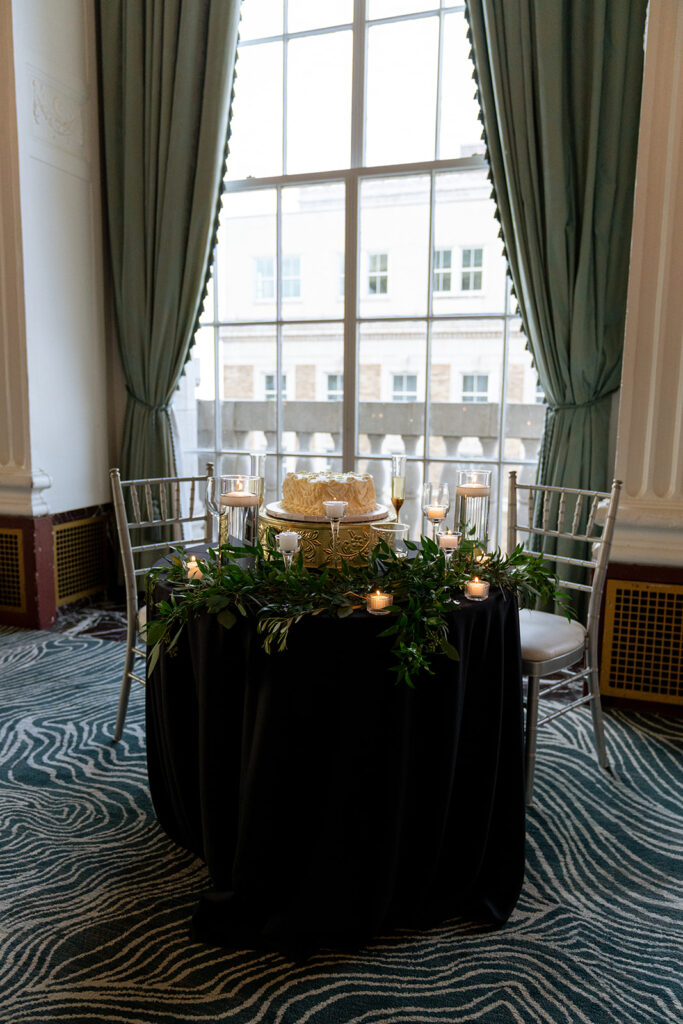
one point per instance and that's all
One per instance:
(436, 512)
(476, 589)
(288, 540)
(334, 509)
(450, 541)
(193, 570)
(378, 601)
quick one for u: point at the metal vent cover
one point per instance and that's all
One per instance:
(642, 655)
(80, 553)
(12, 576)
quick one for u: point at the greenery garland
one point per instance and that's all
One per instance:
(243, 581)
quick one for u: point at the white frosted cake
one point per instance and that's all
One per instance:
(304, 493)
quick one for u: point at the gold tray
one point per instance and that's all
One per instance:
(316, 538)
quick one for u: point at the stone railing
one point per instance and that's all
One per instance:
(467, 431)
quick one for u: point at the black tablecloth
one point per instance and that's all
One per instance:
(328, 802)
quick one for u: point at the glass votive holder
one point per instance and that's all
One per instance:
(435, 504)
(288, 544)
(239, 496)
(379, 602)
(394, 536)
(472, 495)
(476, 589)
(449, 542)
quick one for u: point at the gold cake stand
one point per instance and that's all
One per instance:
(354, 545)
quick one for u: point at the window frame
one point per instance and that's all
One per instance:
(351, 321)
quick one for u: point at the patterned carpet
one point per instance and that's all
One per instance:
(95, 900)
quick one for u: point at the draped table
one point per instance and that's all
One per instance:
(329, 803)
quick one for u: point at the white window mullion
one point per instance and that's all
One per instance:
(350, 404)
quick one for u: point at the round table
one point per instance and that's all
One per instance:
(329, 803)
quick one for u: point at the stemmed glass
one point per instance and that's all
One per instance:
(398, 482)
(258, 470)
(335, 512)
(435, 504)
(217, 509)
(449, 542)
(289, 543)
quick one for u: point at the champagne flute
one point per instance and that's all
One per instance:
(398, 482)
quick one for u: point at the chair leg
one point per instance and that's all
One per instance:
(531, 730)
(598, 726)
(125, 681)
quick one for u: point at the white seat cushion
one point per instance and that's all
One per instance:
(545, 636)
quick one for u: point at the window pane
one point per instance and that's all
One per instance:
(460, 129)
(525, 414)
(391, 388)
(313, 238)
(465, 226)
(401, 91)
(307, 14)
(394, 246)
(392, 8)
(318, 102)
(465, 381)
(247, 368)
(311, 354)
(193, 404)
(261, 18)
(258, 101)
(245, 260)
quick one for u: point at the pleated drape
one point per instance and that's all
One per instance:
(167, 71)
(559, 86)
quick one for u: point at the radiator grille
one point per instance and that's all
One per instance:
(641, 654)
(80, 558)
(12, 578)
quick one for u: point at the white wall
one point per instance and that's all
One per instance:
(59, 184)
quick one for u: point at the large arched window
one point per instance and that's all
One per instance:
(359, 302)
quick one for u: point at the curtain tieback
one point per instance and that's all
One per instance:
(579, 405)
(147, 405)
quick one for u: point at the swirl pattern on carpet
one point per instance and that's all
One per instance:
(95, 900)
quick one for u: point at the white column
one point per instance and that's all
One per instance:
(649, 529)
(20, 488)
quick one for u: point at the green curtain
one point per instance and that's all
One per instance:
(166, 77)
(559, 87)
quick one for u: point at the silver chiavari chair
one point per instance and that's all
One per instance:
(581, 522)
(163, 506)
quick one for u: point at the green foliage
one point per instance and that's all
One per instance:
(242, 581)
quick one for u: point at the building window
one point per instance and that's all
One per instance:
(291, 277)
(269, 389)
(265, 278)
(335, 387)
(442, 270)
(475, 387)
(378, 273)
(404, 387)
(471, 274)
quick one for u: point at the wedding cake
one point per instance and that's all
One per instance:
(304, 493)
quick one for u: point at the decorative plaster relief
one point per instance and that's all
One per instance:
(57, 116)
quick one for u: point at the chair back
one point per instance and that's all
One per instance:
(577, 520)
(164, 506)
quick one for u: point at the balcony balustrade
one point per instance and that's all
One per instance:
(466, 432)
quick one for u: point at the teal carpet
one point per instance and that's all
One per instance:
(95, 901)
